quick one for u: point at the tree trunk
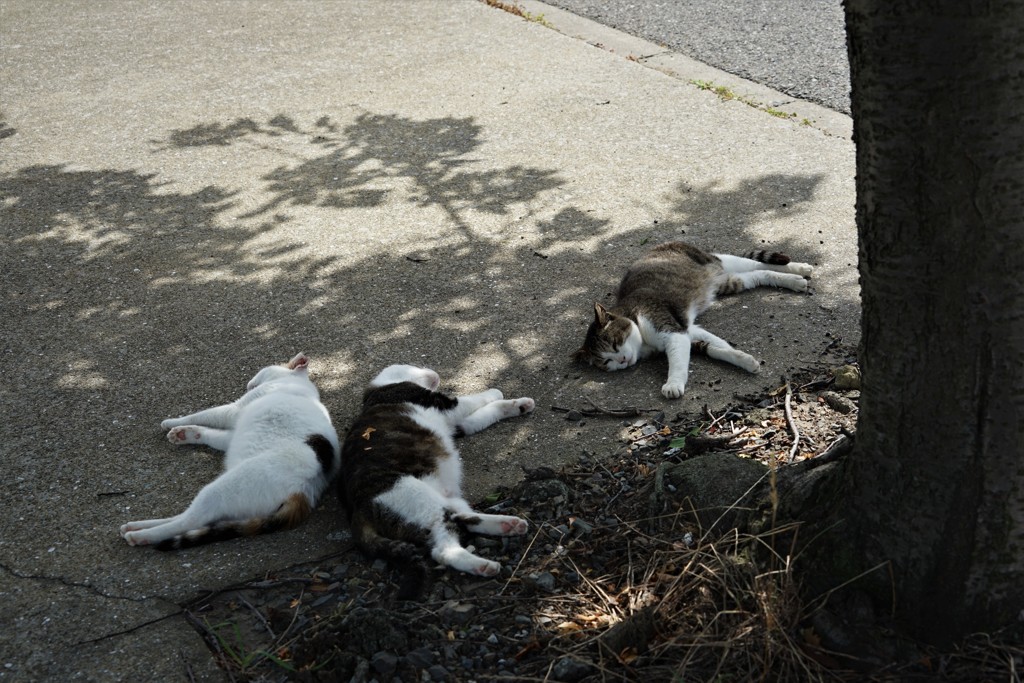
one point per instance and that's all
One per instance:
(936, 483)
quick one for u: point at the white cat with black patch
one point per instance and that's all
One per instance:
(401, 474)
(280, 454)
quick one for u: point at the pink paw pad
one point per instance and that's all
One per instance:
(514, 527)
(182, 434)
(488, 569)
(525, 405)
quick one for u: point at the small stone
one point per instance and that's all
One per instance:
(438, 673)
(546, 581)
(570, 670)
(847, 377)
(457, 613)
(322, 600)
(838, 403)
(559, 532)
(757, 416)
(581, 527)
(362, 672)
(384, 663)
(574, 416)
(421, 657)
(492, 639)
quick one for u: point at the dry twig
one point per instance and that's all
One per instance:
(791, 423)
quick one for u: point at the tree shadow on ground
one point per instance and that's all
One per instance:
(127, 300)
(365, 160)
(730, 216)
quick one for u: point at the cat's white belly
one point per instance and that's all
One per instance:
(650, 340)
(275, 421)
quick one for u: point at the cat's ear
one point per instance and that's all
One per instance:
(601, 315)
(581, 355)
(300, 361)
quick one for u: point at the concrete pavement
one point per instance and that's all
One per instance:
(192, 190)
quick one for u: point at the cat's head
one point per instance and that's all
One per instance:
(298, 364)
(393, 374)
(613, 341)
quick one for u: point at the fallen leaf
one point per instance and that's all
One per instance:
(568, 627)
(368, 431)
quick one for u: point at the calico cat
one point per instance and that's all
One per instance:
(280, 453)
(662, 294)
(401, 478)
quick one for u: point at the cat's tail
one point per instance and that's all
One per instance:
(403, 556)
(771, 257)
(291, 513)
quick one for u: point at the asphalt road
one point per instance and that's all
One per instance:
(797, 47)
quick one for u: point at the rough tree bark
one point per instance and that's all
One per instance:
(935, 485)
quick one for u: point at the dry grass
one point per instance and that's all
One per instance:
(666, 610)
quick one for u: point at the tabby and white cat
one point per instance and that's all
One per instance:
(661, 296)
(401, 474)
(280, 453)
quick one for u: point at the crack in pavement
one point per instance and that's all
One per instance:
(76, 584)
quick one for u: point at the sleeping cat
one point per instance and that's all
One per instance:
(280, 453)
(401, 478)
(662, 294)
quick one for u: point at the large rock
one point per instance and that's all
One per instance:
(718, 487)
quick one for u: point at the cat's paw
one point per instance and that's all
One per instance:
(795, 282)
(513, 526)
(486, 568)
(133, 536)
(673, 389)
(171, 422)
(801, 269)
(523, 405)
(747, 362)
(185, 435)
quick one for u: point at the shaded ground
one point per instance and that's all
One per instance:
(618, 581)
(187, 196)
